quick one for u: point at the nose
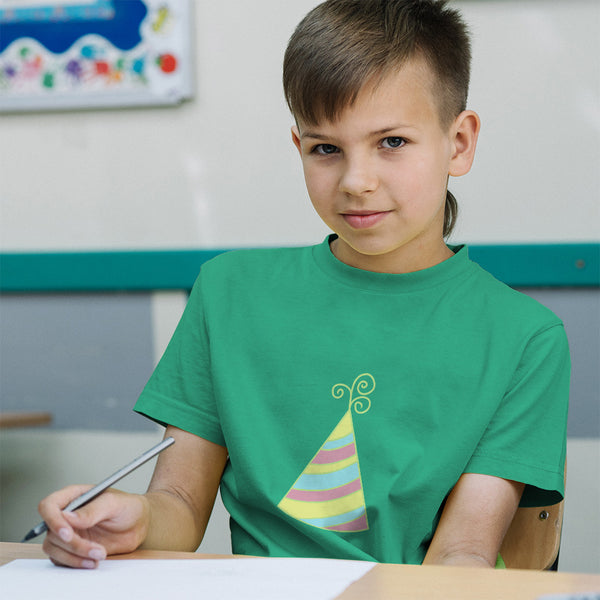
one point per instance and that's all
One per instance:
(358, 177)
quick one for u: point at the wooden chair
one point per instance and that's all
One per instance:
(533, 538)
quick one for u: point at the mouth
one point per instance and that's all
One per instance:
(364, 219)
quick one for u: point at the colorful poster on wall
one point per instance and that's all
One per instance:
(65, 54)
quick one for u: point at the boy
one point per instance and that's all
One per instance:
(377, 396)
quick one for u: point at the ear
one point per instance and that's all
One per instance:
(296, 138)
(464, 133)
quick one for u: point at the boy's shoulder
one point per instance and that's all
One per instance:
(256, 264)
(243, 258)
(515, 304)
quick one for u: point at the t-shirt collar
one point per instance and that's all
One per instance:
(451, 268)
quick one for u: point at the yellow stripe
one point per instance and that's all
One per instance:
(300, 509)
(343, 428)
(313, 468)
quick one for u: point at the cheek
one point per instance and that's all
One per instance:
(420, 186)
(430, 176)
(411, 181)
(318, 183)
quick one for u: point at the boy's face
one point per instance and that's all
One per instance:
(377, 175)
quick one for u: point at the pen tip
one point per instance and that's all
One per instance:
(29, 536)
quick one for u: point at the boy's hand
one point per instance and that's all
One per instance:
(172, 515)
(113, 523)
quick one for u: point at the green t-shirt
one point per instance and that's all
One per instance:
(351, 402)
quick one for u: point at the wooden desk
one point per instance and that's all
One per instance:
(24, 419)
(408, 582)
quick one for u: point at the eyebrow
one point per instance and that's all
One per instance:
(318, 136)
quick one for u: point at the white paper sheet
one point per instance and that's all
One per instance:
(223, 579)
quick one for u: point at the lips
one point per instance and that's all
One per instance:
(364, 220)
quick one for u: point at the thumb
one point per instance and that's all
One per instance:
(83, 518)
(104, 507)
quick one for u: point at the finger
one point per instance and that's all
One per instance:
(70, 546)
(112, 520)
(77, 543)
(51, 507)
(62, 557)
(75, 554)
(102, 508)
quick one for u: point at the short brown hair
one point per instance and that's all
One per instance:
(341, 45)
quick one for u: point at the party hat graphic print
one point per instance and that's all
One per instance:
(329, 492)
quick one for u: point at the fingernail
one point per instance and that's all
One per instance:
(88, 564)
(97, 554)
(65, 534)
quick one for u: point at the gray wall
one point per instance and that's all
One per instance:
(580, 311)
(85, 358)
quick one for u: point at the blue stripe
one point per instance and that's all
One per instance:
(327, 481)
(335, 444)
(336, 519)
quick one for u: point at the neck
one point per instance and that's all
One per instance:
(402, 260)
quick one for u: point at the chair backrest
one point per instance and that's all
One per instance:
(533, 538)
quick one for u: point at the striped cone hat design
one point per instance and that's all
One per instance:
(329, 493)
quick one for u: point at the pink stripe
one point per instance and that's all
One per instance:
(330, 456)
(359, 524)
(322, 495)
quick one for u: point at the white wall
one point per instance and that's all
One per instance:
(536, 86)
(217, 171)
(220, 171)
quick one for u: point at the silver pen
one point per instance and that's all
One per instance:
(103, 485)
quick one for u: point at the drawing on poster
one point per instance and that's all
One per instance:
(94, 53)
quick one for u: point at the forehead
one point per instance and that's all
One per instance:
(404, 95)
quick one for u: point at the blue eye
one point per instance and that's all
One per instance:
(325, 149)
(393, 142)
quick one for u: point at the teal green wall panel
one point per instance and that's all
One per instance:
(101, 271)
(541, 265)
(532, 265)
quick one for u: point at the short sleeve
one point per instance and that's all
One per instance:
(180, 391)
(526, 438)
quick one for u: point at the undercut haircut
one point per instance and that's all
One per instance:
(343, 45)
